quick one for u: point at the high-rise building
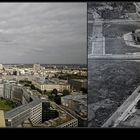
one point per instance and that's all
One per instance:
(7, 91)
(36, 67)
(78, 84)
(48, 113)
(36, 113)
(12, 92)
(1, 90)
(1, 66)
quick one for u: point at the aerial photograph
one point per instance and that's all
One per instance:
(43, 65)
(114, 64)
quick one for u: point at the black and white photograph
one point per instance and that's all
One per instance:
(114, 64)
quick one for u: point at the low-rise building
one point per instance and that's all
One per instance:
(78, 84)
(77, 103)
(49, 85)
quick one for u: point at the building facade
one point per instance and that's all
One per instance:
(12, 92)
(78, 84)
(48, 113)
(17, 116)
(51, 86)
(1, 90)
(36, 114)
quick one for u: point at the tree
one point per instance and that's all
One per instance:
(33, 87)
(14, 72)
(26, 85)
(57, 99)
(133, 31)
(45, 91)
(84, 90)
(54, 91)
(38, 90)
(21, 81)
(51, 97)
(65, 92)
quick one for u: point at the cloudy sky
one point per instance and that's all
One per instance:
(51, 33)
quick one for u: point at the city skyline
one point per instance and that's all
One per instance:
(45, 33)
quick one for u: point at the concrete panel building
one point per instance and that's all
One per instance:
(12, 91)
(1, 90)
(77, 103)
(36, 113)
(7, 90)
(17, 116)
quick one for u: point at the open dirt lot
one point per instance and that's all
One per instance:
(110, 83)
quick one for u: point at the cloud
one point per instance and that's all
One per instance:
(55, 32)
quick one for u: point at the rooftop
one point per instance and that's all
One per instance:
(57, 122)
(81, 99)
(50, 81)
(80, 80)
(76, 97)
(21, 108)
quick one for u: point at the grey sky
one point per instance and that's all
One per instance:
(51, 33)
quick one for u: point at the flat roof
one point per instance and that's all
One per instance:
(75, 97)
(2, 119)
(54, 81)
(80, 80)
(81, 99)
(20, 109)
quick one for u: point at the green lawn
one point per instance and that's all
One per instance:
(6, 105)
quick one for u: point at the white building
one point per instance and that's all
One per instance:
(1, 66)
(50, 85)
(36, 67)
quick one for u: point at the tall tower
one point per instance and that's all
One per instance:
(1, 66)
(36, 67)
